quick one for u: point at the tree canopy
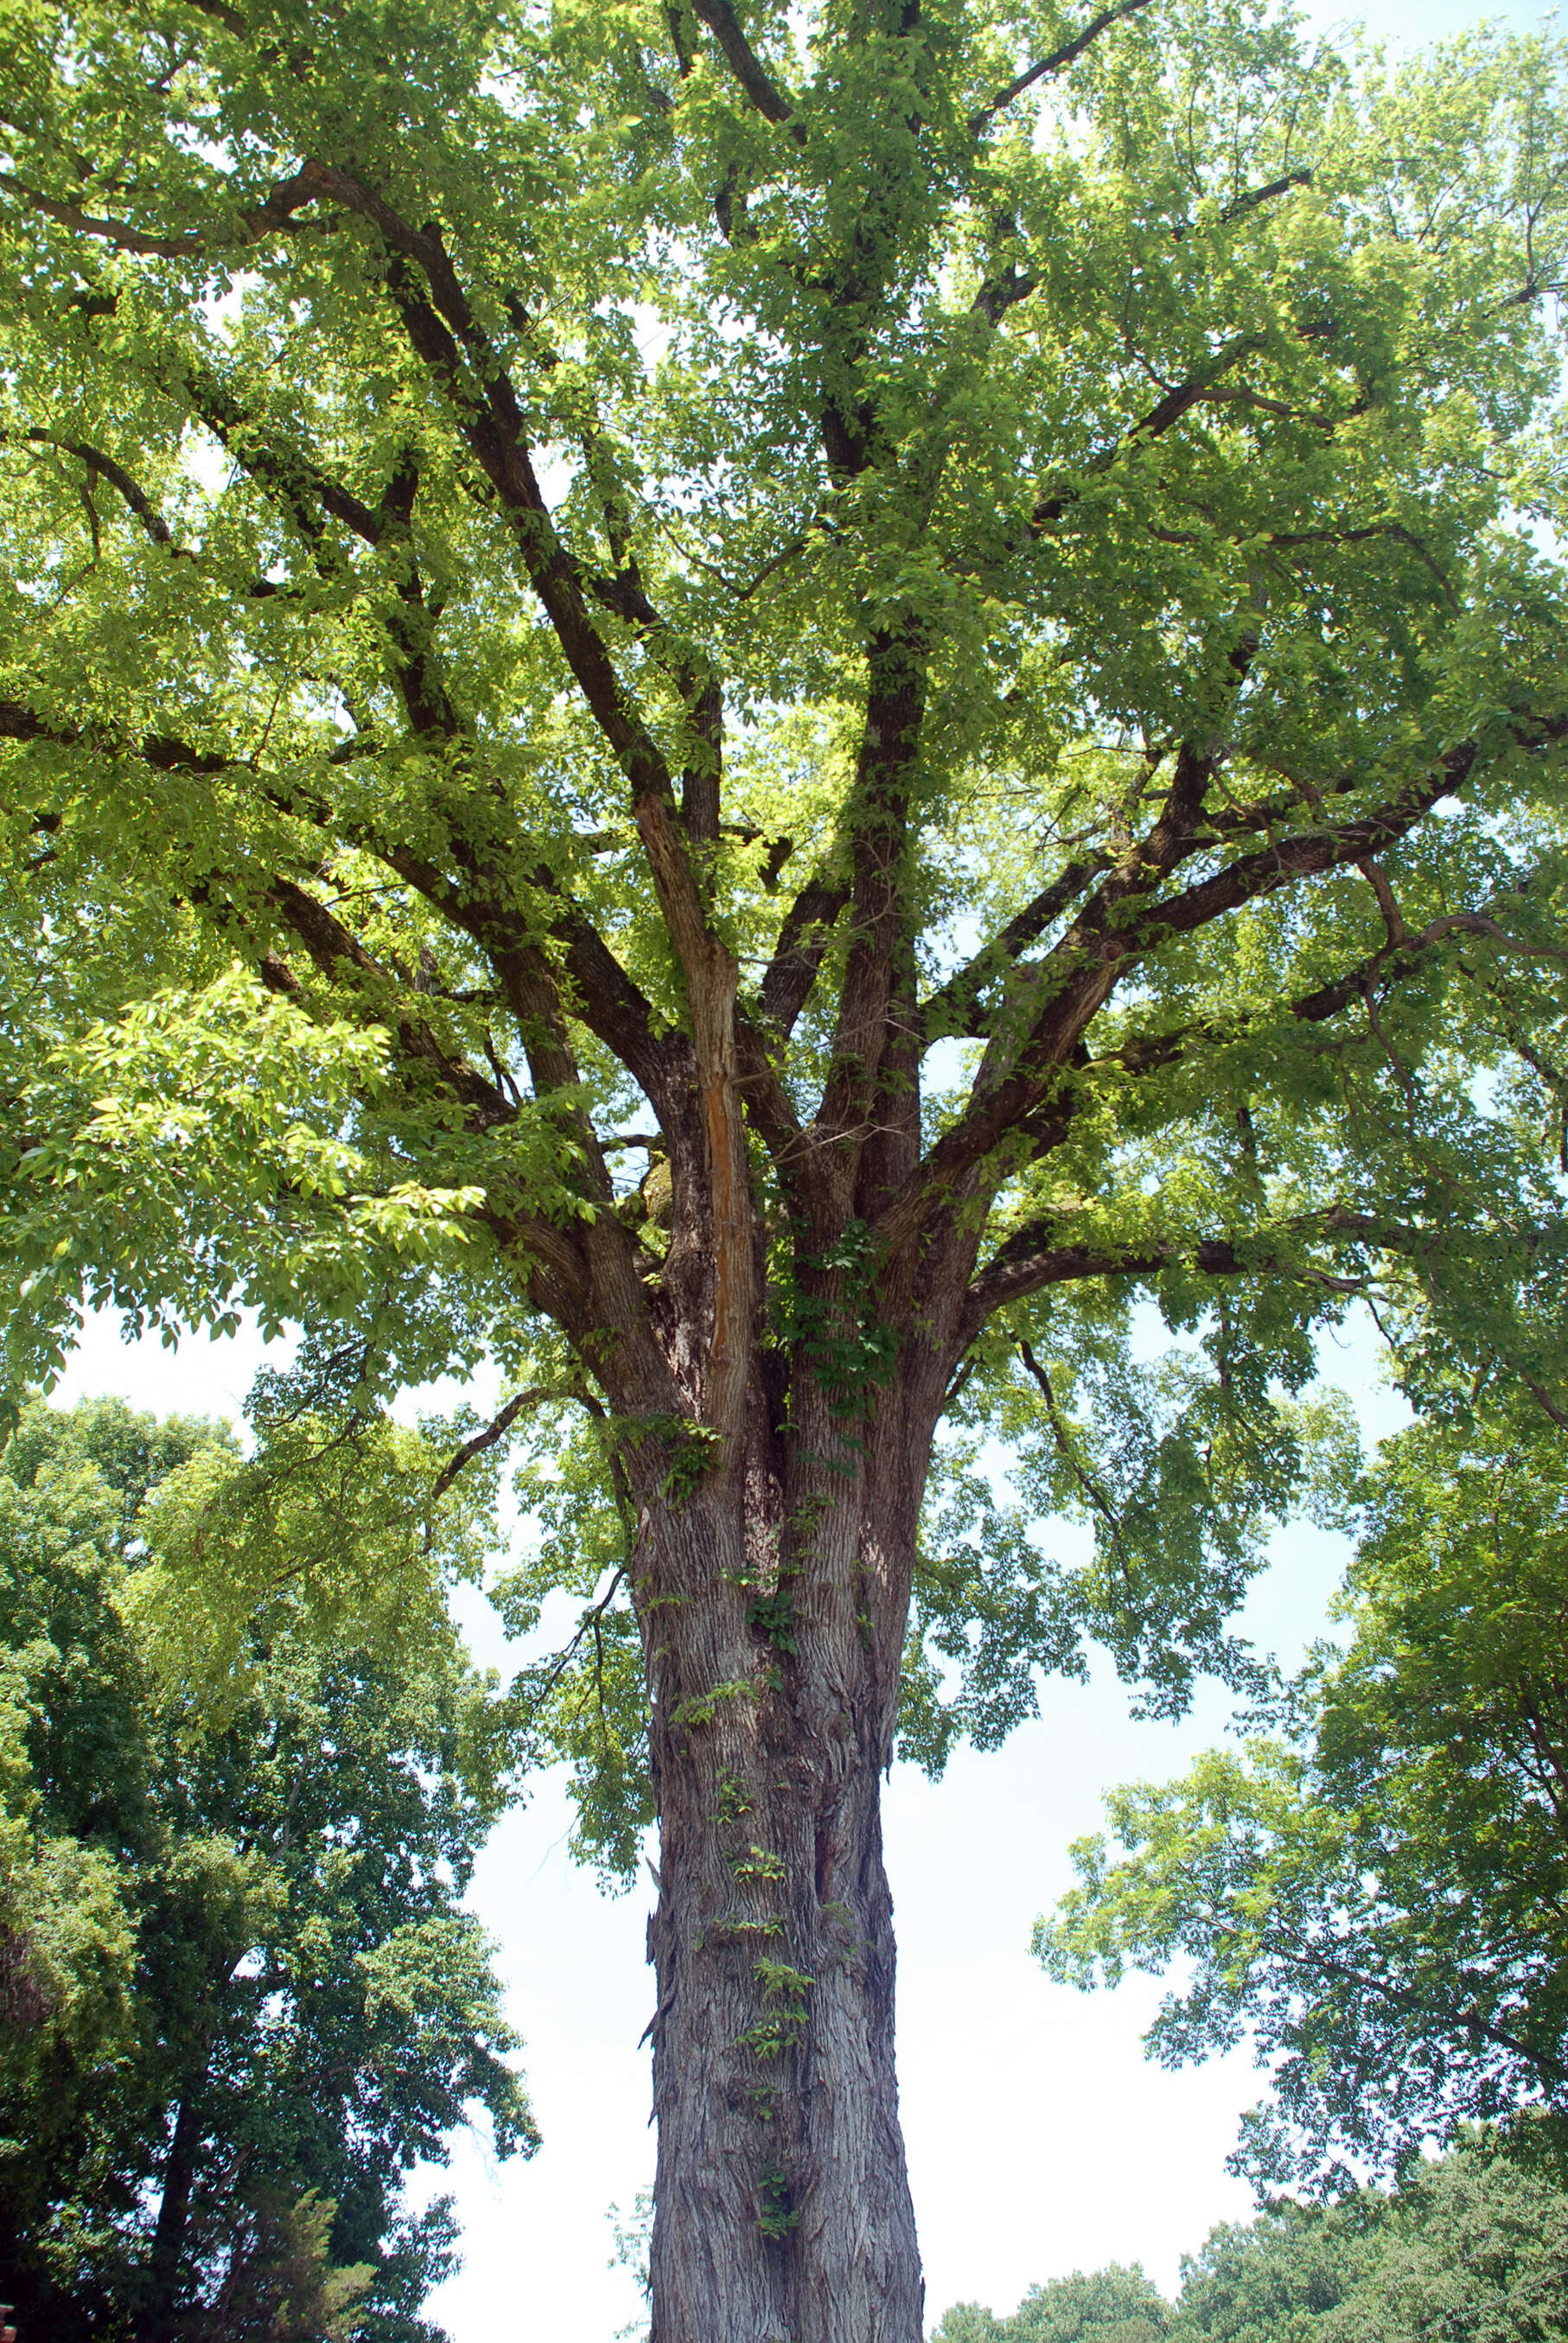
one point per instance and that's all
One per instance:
(383, 547)
(1108, 2306)
(241, 1996)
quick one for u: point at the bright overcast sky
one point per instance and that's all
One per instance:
(1040, 2139)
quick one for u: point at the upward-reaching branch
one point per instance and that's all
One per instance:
(1064, 55)
(803, 939)
(1077, 976)
(742, 60)
(878, 848)
(954, 1007)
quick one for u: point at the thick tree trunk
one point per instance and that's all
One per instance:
(774, 1632)
(165, 2262)
(783, 2206)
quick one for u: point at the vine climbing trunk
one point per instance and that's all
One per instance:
(773, 1632)
(784, 2208)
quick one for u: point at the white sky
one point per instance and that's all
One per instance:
(1040, 2139)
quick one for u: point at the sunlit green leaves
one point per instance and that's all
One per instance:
(1207, 395)
(1375, 1897)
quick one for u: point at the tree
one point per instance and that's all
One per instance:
(762, 711)
(1473, 2245)
(1109, 2305)
(1280, 2274)
(1379, 1895)
(242, 1997)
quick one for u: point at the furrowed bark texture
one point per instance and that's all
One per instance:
(782, 2206)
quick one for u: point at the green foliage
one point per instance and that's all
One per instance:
(1113, 2305)
(692, 1448)
(438, 445)
(285, 2288)
(784, 1992)
(1280, 2274)
(1109, 2305)
(242, 1995)
(332, 1511)
(633, 2235)
(1475, 2246)
(1180, 1469)
(1377, 1892)
(829, 1314)
(585, 1704)
(778, 2215)
(773, 1615)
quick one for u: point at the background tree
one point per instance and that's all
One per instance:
(764, 711)
(1109, 2305)
(1378, 1894)
(242, 1997)
(1473, 2245)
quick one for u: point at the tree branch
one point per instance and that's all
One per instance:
(1058, 58)
(1065, 1448)
(229, 18)
(464, 1455)
(742, 60)
(332, 946)
(1466, 2020)
(293, 474)
(135, 497)
(489, 416)
(1023, 1266)
(1077, 976)
(1309, 854)
(276, 212)
(953, 1007)
(1240, 206)
(803, 940)
(709, 1169)
(1166, 412)
(877, 848)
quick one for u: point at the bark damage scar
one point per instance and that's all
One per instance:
(717, 1106)
(714, 1019)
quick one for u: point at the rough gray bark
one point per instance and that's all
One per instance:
(783, 2208)
(774, 1600)
(782, 2203)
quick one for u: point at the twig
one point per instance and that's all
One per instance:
(1085, 1479)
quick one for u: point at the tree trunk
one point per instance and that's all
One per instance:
(774, 1631)
(165, 2262)
(783, 2205)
